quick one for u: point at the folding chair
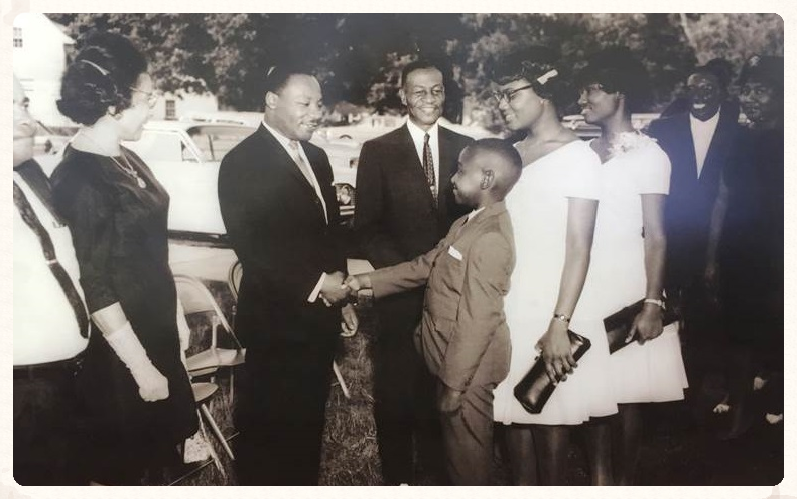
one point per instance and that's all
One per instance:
(234, 282)
(196, 298)
(203, 393)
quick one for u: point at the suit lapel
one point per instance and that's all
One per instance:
(409, 157)
(280, 158)
(463, 235)
(277, 156)
(684, 136)
(447, 152)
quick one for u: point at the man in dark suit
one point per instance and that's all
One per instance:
(404, 207)
(700, 143)
(282, 218)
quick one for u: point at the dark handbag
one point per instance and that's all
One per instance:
(534, 390)
(619, 324)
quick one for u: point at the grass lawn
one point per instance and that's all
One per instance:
(679, 448)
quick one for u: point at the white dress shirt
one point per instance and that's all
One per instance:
(473, 214)
(702, 133)
(45, 326)
(417, 138)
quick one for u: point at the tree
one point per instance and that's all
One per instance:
(359, 57)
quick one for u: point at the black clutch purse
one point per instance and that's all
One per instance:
(619, 323)
(534, 390)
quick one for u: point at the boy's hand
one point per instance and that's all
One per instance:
(449, 401)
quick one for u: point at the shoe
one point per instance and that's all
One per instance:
(774, 418)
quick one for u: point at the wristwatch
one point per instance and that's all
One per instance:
(654, 301)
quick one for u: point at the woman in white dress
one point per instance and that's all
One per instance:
(553, 208)
(629, 246)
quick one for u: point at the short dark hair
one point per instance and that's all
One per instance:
(277, 76)
(505, 178)
(416, 65)
(617, 70)
(721, 68)
(540, 67)
(105, 68)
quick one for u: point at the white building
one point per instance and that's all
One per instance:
(39, 60)
(174, 105)
(40, 56)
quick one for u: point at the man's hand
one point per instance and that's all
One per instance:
(355, 283)
(449, 401)
(350, 322)
(332, 289)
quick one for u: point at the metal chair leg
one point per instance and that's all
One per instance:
(217, 431)
(213, 454)
(232, 386)
(339, 375)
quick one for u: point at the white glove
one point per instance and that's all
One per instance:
(183, 331)
(152, 385)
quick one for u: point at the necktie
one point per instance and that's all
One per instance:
(297, 158)
(68, 287)
(428, 166)
(305, 169)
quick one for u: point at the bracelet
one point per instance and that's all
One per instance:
(562, 317)
(654, 301)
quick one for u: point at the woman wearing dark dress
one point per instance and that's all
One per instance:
(135, 387)
(748, 227)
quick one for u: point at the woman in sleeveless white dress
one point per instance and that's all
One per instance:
(553, 209)
(629, 246)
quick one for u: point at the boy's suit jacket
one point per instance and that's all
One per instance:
(467, 276)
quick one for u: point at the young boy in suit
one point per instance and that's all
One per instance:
(463, 336)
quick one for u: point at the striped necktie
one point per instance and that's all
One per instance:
(428, 166)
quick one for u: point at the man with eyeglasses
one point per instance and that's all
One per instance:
(405, 205)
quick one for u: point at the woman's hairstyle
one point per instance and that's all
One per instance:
(766, 69)
(538, 66)
(105, 68)
(616, 70)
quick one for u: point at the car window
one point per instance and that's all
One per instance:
(215, 142)
(161, 145)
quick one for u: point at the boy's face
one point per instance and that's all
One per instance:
(468, 179)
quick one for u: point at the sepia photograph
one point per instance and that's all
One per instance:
(386, 249)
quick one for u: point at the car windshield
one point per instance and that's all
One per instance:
(216, 141)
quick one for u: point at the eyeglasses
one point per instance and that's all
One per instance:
(152, 97)
(500, 95)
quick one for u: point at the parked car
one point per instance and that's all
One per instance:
(50, 140)
(343, 151)
(185, 157)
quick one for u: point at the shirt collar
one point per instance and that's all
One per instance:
(283, 140)
(473, 214)
(417, 133)
(709, 122)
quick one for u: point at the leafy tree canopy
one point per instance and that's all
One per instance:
(359, 56)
